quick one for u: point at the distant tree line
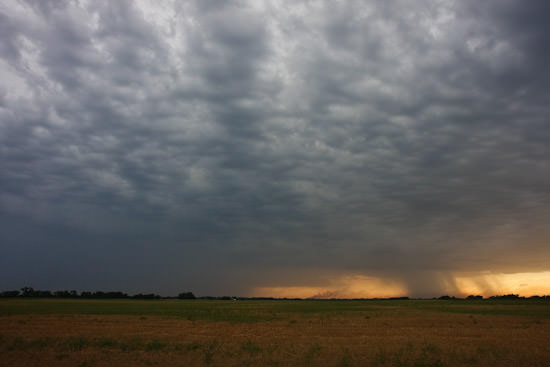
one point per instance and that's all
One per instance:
(500, 297)
(31, 292)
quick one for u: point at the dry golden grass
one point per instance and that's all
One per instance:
(396, 336)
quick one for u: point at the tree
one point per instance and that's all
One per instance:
(186, 295)
(472, 297)
(28, 292)
(61, 294)
(9, 294)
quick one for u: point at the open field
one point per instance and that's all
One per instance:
(273, 333)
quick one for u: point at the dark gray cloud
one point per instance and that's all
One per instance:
(223, 146)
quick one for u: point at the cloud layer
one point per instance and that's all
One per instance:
(224, 146)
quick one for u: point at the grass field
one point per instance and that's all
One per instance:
(65, 332)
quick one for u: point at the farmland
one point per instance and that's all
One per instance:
(77, 332)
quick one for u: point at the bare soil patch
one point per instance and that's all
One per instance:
(398, 336)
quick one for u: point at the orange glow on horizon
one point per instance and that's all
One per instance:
(359, 286)
(490, 284)
(351, 286)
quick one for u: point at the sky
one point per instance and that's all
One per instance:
(276, 148)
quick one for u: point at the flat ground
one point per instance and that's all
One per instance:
(53, 332)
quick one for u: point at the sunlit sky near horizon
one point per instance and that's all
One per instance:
(276, 148)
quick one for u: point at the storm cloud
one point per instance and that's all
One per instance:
(223, 146)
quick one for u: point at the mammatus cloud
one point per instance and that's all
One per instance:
(227, 147)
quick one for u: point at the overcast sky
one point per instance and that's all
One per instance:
(221, 147)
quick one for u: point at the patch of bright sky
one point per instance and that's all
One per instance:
(359, 286)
